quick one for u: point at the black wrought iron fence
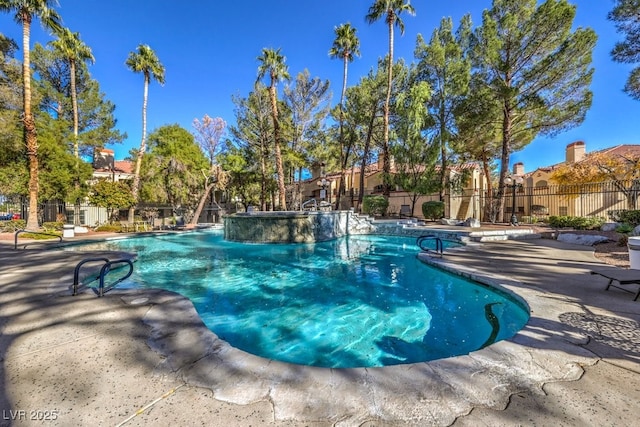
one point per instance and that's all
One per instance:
(92, 216)
(534, 204)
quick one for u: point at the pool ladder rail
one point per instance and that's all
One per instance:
(106, 268)
(40, 233)
(313, 207)
(439, 249)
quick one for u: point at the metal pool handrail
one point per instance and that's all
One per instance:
(15, 242)
(76, 272)
(439, 245)
(313, 201)
(105, 269)
(103, 272)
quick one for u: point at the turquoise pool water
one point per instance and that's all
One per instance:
(353, 302)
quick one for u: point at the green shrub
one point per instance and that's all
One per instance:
(626, 216)
(52, 226)
(375, 205)
(12, 226)
(40, 236)
(111, 228)
(433, 210)
(559, 221)
(577, 222)
(624, 228)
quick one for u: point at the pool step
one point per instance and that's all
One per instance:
(498, 235)
(210, 225)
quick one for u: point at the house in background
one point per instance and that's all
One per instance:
(106, 167)
(539, 196)
(461, 205)
(536, 199)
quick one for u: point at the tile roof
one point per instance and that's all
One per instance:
(373, 168)
(620, 150)
(120, 166)
(125, 166)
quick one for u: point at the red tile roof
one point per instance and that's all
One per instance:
(125, 166)
(120, 166)
(619, 150)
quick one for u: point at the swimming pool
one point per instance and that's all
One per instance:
(358, 301)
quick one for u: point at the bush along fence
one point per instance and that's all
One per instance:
(52, 215)
(537, 204)
(606, 200)
(532, 204)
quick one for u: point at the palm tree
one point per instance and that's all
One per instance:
(144, 61)
(272, 62)
(25, 11)
(72, 49)
(345, 46)
(390, 10)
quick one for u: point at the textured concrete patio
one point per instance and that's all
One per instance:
(145, 357)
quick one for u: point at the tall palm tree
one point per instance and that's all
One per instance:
(390, 10)
(25, 11)
(144, 61)
(73, 50)
(272, 63)
(345, 46)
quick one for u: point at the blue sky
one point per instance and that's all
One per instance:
(209, 51)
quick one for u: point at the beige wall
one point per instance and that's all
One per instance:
(462, 205)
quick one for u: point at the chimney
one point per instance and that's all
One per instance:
(103, 158)
(392, 163)
(518, 169)
(575, 152)
(317, 169)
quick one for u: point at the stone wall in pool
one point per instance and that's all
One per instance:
(318, 226)
(286, 227)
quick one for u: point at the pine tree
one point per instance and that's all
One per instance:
(625, 16)
(538, 70)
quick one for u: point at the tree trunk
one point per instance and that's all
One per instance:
(443, 155)
(488, 208)
(30, 134)
(386, 161)
(343, 160)
(74, 104)
(504, 159)
(276, 141)
(76, 148)
(263, 183)
(300, 194)
(365, 155)
(143, 147)
(203, 200)
(343, 174)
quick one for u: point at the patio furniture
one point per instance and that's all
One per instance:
(622, 276)
(405, 210)
(180, 224)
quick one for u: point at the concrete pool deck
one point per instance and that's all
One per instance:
(139, 358)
